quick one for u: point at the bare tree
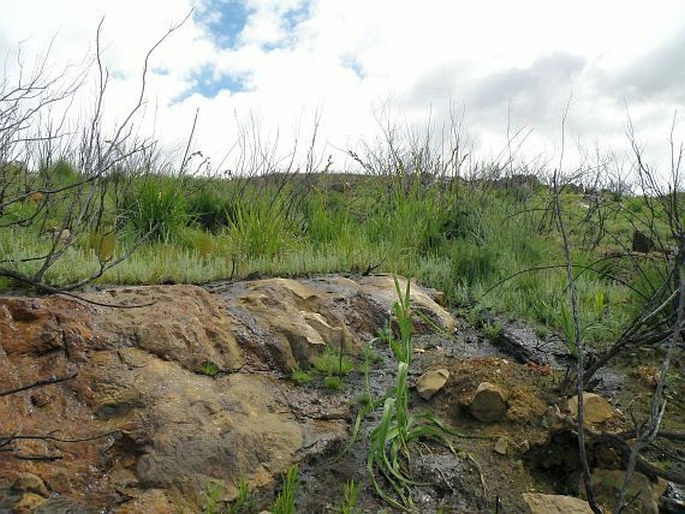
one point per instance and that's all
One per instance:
(54, 183)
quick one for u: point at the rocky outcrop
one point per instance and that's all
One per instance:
(146, 404)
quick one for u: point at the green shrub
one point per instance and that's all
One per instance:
(209, 209)
(156, 208)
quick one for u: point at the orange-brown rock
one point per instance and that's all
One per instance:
(135, 423)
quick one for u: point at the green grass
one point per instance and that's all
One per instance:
(351, 496)
(480, 244)
(332, 362)
(285, 502)
(330, 368)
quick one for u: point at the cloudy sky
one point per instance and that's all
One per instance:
(503, 66)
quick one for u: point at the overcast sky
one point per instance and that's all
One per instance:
(499, 63)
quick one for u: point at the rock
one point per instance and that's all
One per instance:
(555, 504)
(597, 409)
(673, 500)
(30, 483)
(502, 446)
(488, 403)
(28, 503)
(431, 382)
(152, 426)
(152, 500)
(608, 482)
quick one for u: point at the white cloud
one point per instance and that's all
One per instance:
(524, 58)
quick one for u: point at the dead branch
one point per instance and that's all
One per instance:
(40, 383)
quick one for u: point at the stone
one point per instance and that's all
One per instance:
(488, 403)
(431, 382)
(597, 409)
(30, 483)
(608, 482)
(28, 503)
(502, 446)
(555, 504)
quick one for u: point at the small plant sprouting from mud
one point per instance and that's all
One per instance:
(398, 428)
(331, 366)
(209, 368)
(349, 505)
(243, 504)
(492, 331)
(300, 376)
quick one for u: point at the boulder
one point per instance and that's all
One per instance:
(597, 409)
(28, 503)
(149, 426)
(431, 382)
(608, 482)
(30, 483)
(488, 403)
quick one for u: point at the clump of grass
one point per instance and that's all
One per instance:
(155, 208)
(300, 377)
(262, 229)
(492, 331)
(332, 383)
(213, 496)
(331, 365)
(285, 502)
(245, 502)
(333, 362)
(349, 505)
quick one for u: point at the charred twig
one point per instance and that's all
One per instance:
(40, 383)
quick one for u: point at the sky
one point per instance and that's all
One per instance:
(506, 71)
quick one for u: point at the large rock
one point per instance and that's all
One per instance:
(608, 482)
(555, 504)
(597, 409)
(489, 403)
(135, 423)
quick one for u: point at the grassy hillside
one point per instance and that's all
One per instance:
(485, 243)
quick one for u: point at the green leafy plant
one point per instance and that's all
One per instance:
(333, 363)
(332, 383)
(492, 330)
(155, 207)
(209, 368)
(300, 377)
(213, 495)
(245, 502)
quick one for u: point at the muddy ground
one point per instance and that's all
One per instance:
(477, 477)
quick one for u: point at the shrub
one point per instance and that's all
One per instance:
(155, 207)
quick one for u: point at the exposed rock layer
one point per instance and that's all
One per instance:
(185, 386)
